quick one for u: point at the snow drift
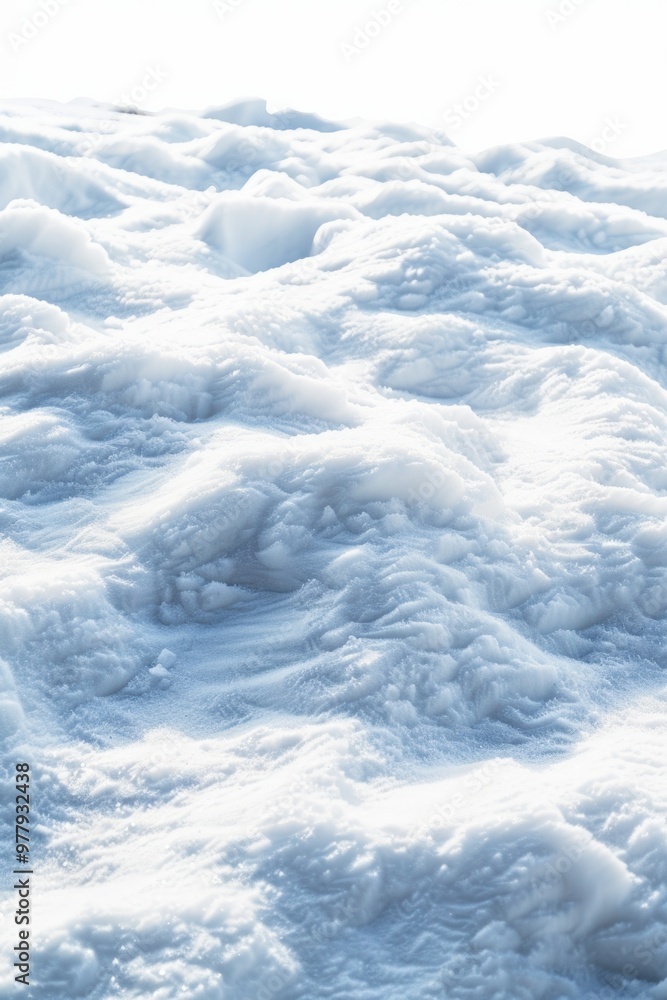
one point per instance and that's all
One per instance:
(333, 498)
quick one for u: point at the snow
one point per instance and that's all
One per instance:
(333, 493)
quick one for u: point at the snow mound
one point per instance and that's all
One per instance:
(26, 226)
(259, 233)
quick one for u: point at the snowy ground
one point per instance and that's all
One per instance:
(333, 465)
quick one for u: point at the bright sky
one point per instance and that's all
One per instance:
(593, 70)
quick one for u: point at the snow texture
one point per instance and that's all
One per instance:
(333, 479)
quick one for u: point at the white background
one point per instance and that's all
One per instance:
(557, 67)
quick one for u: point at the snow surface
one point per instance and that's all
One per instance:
(333, 465)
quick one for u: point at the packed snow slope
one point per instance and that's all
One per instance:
(333, 466)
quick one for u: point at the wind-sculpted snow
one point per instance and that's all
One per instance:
(333, 465)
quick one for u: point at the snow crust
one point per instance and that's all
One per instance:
(333, 478)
